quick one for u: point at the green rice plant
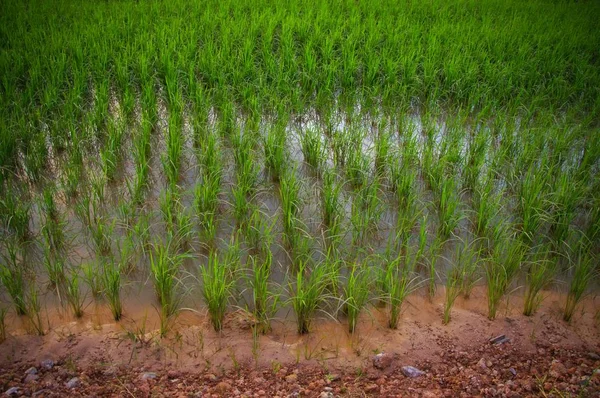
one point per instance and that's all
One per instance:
(275, 153)
(501, 268)
(461, 276)
(541, 271)
(93, 278)
(266, 299)
(55, 266)
(102, 232)
(53, 227)
(289, 191)
(476, 153)
(111, 281)
(170, 209)
(164, 266)
(403, 182)
(206, 202)
(217, 287)
(331, 205)
(308, 293)
(448, 207)
(14, 214)
(341, 144)
(583, 270)
(434, 253)
(13, 280)
(357, 167)
(142, 151)
(356, 294)
(259, 234)
(313, 149)
(366, 211)
(34, 311)
(532, 195)
(111, 152)
(565, 198)
(171, 160)
(383, 150)
(73, 294)
(397, 281)
(487, 206)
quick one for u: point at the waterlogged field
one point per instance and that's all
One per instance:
(296, 161)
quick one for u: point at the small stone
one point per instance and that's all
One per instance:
(73, 383)
(291, 378)
(223, 387)
(593, 356)
(47, 364)
(12, 392)
(371, 388)
(557, 369)
(410, 371)
(326, 394)
(31, 378)
(482, 364)
(211, 377)
(31, 371)
(512, 371)
(149, 376)
(382, 361)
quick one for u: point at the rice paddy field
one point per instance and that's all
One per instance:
(297, 162)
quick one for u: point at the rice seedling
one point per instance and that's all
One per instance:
(366, 211)
(383, 150)
(266, 299)
(583, 271)
(541, 271)
(289, 191)
(14, 215)
(331, 205)
(111, 281)
(275, 152)
(434, 253)
(501, 268)
(531, 202)
(13, 280)
(165, 266)
(313, 149)
(111, 152)
(34, 311)
(397, 281)
(217, 288)
(171, 160)
(73, 294)
(93, 278)
(357, 167)
(308, 293)
(356, 294)
(448, 207)
(461, 276)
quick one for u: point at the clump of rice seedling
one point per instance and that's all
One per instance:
(34, 311)
(448, 206)
(206, 201)
(583, 270)
(566, 196)
(366, 211)
(307, 293)
(289, 190)
(165, 265)
(541, 272)
(487, 205)
(14, 214)
(111, 278)
(461, 276)
(93, 278)
(217, 287)
(313, 149)
(531, 202)
(341, 143)
(265, 299)
(12, 276)
(73, 294)
(397, 282)
(357, 167)
(55, 266)
(142, 162)
(110, 153)
(172, 158)
(502, 267)
(383, 150)
(331, 205)
(434, 253)
(356, 294)
(275, 153)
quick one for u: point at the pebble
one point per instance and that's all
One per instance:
(149, 376)
(47, 364)
(12, 392)
(382, 361)
(291, 378)
(410, 371)
(31, 371)
(73, 383)
(31, 378)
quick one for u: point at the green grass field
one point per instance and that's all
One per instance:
(312, 155)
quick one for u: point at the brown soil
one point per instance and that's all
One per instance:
(545, 356)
